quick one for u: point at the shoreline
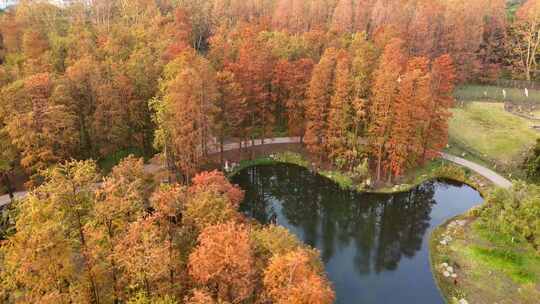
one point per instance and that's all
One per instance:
(438, 169)
(449, 292)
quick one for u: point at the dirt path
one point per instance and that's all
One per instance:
(152, 168)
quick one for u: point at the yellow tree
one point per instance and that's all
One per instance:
(49, 255)
(143, 258)
(184, 113)
(43, 130)
(525, 39)
(38, 260)
(169, 203)
(121, 200)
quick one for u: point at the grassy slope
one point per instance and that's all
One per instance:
(490, 267)
(492, 132)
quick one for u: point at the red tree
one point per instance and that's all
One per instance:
(385, 89)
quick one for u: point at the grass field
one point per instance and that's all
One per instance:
(493, 93)
(491, 132)
(491, 267)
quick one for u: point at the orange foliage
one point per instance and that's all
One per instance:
(292, 278)
(224, 259)
(385, 90)
(216, 181)
(318, 103)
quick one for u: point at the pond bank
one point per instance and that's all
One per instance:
(472, 263)
(436, 169)
(370, 243)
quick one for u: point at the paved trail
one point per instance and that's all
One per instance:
(152, 168)
(485, 172)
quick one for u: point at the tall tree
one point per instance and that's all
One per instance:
(340, 139)
(292, 278)
(343, 19)
(526, 38)
(184, 113)
(43, 130)
(224, 260)
(253, 70)
(169, 203)
(405, 138)
(50, 251)
(435, 133)
(318, 103)
(121, 200)
(382, 110)
(144, 257)
(231, 115)
(291, 80)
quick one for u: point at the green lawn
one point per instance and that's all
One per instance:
(491, 132)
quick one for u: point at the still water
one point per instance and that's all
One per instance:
(374, 247)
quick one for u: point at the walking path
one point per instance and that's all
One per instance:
(152, 168)
(485, 172)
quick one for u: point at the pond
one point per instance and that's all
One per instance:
(374, 247)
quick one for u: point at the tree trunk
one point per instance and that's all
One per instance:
(93, 286)
(221, 151)
(9, 188)
(379, 161)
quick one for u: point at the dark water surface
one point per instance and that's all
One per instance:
(375, 247)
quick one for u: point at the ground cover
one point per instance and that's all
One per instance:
(491, 135)
(486, 266)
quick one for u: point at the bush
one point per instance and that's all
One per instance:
(451, 172)
(290, 158)
(344, 181)
(515, 212)
(532, 163)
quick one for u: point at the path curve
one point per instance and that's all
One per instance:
(152, 168)
(491, 175)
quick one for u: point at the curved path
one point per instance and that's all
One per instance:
(151, 168)
(491, 175)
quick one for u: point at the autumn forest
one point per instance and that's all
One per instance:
(367, 85)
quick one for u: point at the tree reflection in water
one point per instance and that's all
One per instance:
(369, 233)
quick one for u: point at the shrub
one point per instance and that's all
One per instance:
(344, 181)
(451, 172)
(291, 158)
(515, 212)
(532, 163)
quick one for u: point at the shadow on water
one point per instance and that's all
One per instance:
(375, 247)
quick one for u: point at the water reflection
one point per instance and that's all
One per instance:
(369, 243)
